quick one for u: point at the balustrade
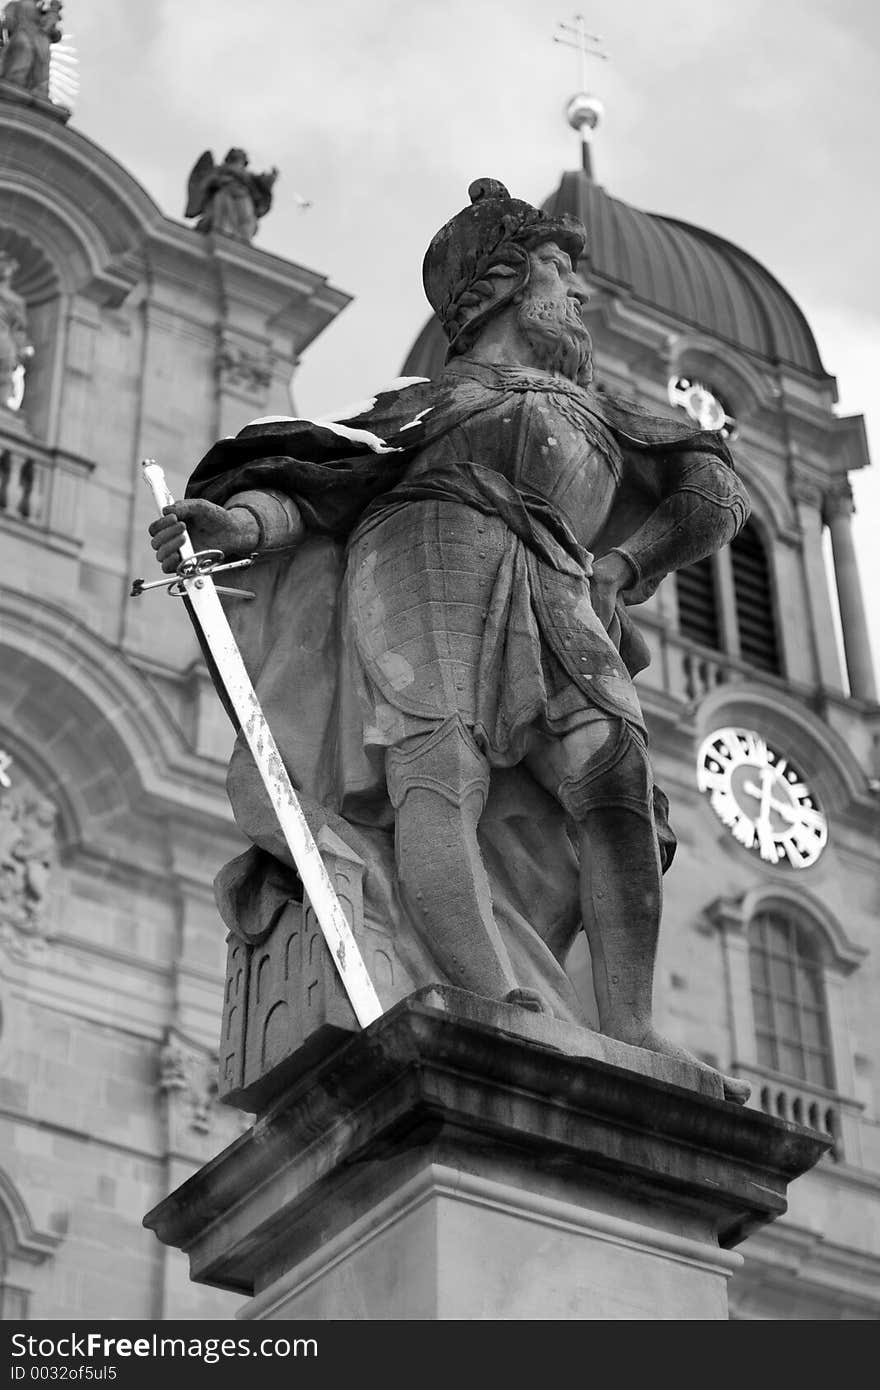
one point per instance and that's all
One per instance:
(804, 1103)
(690, 672)
(41, 488)
(23, 485)
(803, 1106)
(702, 674)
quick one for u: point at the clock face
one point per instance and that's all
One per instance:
(761, 798)
(701, 405)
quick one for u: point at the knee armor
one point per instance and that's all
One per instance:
(618, 775)
(447, 761)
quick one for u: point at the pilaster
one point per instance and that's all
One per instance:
(808, 500)
(838, 512)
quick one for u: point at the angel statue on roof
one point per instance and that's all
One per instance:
(228, 198)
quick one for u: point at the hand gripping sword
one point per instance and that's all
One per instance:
(195, 582)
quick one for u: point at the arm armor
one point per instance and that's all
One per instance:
(705, 507)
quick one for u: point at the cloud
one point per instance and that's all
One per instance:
(753, 120)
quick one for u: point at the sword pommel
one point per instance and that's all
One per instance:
(154, 477)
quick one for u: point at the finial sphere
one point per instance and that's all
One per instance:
(584, 112)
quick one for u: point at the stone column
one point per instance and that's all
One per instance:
(838, 518)
(808, 500)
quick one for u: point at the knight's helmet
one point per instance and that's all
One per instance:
(484, 244)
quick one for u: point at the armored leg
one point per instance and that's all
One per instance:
(438, 787)
(602, 777)
(621, 892)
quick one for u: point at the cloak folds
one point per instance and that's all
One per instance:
(296, 642)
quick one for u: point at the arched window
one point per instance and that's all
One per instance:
(22, 1250)
(787, 960)
(788, 998)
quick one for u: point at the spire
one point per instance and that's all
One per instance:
(583, 111)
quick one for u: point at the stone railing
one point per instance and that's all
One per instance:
(40, 487)
(24, 479)
(690, 672)
(702, 672)
(803, 1107)
(814, 1107)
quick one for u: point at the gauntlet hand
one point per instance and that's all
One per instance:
(233, 530)
(610, 574)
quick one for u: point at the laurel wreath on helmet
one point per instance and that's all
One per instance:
(504, 257)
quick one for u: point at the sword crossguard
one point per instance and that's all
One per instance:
(200, 565)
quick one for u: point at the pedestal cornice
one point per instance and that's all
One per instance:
(424, 1087)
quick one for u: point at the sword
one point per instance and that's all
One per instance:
(195, 582)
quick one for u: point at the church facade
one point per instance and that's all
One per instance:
(150, 338)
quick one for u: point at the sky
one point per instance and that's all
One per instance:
(756, 119)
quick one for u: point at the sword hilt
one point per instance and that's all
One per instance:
(194, 564)
(154, 476)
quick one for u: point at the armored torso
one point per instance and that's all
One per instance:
(468, 583)
(544, 440)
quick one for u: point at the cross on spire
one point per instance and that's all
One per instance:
(583, 111)
(574, 35)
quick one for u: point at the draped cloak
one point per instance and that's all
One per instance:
(347, 479)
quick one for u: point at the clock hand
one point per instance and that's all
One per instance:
(762, 824)
(787, 812)
(763, 794)
(751, 790)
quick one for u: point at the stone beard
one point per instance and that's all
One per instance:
(558, 337)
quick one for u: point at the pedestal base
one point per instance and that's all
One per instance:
(451, 1244)
(443, 1167)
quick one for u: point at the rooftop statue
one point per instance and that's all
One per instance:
(228, 198)
(15, 351)
(30, 27)
(441, 639)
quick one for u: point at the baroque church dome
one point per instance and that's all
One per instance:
(699, 279)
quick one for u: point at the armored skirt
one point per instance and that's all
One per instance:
(450, 612)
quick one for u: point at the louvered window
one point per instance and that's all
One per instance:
(754, 601)
(788, 998)
(697, 604)
(742, 572)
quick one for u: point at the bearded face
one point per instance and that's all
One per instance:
(557, 336)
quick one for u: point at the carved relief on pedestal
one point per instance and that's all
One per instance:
(187, 1085)
(188, 1082)
(28, 855)
(286, 992)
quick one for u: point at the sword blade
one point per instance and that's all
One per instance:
(202, 594)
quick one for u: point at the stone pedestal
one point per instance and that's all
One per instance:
(458, 1161)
